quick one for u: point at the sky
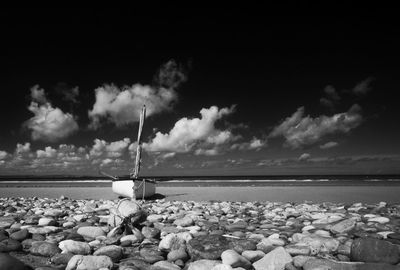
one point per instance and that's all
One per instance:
(275, 90)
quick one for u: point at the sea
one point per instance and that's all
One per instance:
(217, 181)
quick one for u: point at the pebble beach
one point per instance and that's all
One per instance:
(62, 233)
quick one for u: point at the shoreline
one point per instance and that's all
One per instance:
(315, 194)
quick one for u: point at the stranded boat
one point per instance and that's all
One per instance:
(133, 186)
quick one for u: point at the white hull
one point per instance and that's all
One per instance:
(134, 188)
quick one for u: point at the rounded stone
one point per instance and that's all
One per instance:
(207, 247)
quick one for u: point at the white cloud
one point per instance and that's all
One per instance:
(112, 149)
(206, 152)
(123, 106)
(363, 87)
(106, 161)
(186, 133)
(254, 144)
(3, 155)
(50, 124)
(48, 152)
(304, 156)
(220, 138)
(38, 94)
(328, 145)
(299, 130)
(168, 155)
(23, 148)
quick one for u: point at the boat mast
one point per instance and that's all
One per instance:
(136, 169)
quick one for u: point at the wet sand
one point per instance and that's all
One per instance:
(343, 194)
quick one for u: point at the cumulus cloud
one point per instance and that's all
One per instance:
(38, 94)
(299, 130)
(363, 87)
(48, 152)
(112, 149)
(254, 144)
(23, 148)
(50, 124)
(328, 145)
(186, 133)
(3, 155)
(304, 156)
(123, 106)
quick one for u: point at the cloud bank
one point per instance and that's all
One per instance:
(299, 130)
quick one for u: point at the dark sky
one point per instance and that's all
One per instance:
(292, 89)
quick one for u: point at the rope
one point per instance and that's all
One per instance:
(138, 187)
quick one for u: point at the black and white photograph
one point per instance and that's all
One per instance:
(200, 137)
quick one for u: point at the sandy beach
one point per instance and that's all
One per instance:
(317, 194)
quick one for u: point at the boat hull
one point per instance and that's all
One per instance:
(134, 188)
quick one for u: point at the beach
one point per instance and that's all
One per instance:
(201, 227)
(317, 194)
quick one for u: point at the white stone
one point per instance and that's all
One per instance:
(253, 255)
(44, 221)
(222, 267)
(232, 258)
(91, 232)
(80, 262)
(203, 264)
(165, 265)
(274, 260)
(381, 220)
(74, 247)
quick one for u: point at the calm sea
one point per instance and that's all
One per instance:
(188, 181)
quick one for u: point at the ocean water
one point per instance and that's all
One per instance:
(188, 181)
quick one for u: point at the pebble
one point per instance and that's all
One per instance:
(112, 251)
(374, 250)
(160, 234)
(203, 264)
(91, 232)
(20, 235)
(8, 262)
(80, 262)
(45, 249)
(276, 259)
(75, 247)
(232, 258)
